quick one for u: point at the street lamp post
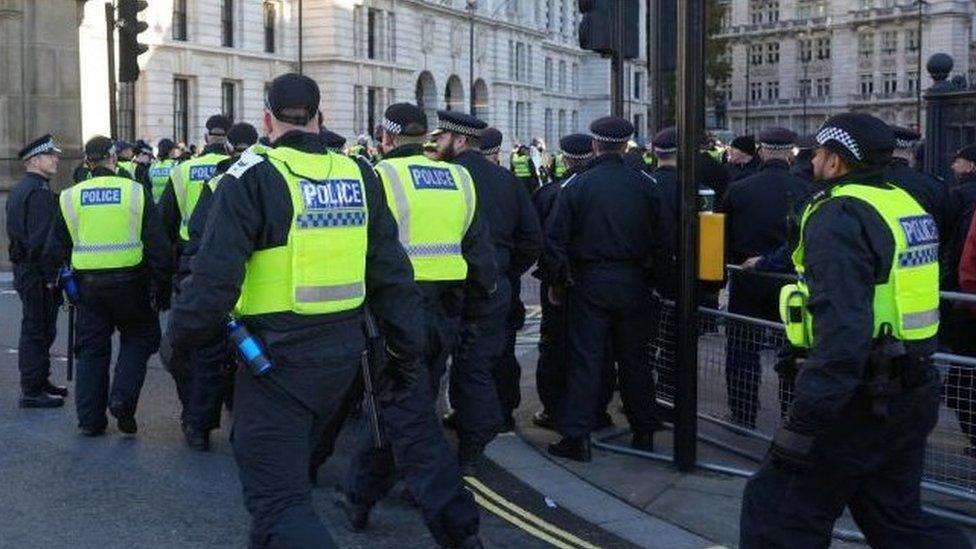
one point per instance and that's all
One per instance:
(805, 90)
(301, 60)
(472, 5)
(748, 85)
(918, 71)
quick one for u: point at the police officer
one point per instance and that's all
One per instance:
(84, 170)
(802, 162)
(333, 141)
(31, 208)
(299, 238)
(925, 189)
(159, 171)
(867, 395)
(757, 211)
(601, 239)
(141, 163)
(201, 383)
(524, 169)
(187, 181)
(126, 152)
(576, 150)
(741, 159)
(108, 232)
(361, 149)
(435, 206)
(517, 237)
(491, 144)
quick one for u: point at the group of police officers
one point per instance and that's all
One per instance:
(309, 248)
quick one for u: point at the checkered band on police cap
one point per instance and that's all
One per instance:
(841, 137)
(391, 126)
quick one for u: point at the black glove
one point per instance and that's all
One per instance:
(792, 451)
(160, 297)
(399, 377)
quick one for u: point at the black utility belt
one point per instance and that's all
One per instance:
(109, 278)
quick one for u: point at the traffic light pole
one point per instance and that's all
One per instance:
(690, 114)
(113, 114)
(617, 84)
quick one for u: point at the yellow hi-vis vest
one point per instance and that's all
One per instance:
(159, 173)
(321, 269)
(908, 301)
(520, 166)
(560, 166)
(127, 165)
(104, 219)
(188, 181)
(433, 203)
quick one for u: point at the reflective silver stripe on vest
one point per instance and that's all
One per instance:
(468, 187)
(400, 200)
(433, 250)
(918, 321)
(72, 213)
(179, 188)
(318, 294)
(136, 203)
(100, 248)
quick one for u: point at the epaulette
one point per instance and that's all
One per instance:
(568, 181)
(249, 158)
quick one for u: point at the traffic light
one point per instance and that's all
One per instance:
(610, 26)
(129, 47)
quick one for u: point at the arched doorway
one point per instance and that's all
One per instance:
(427, 96)
(480, 94)
(454, 94)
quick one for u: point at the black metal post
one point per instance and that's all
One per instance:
(471, 6)
(617, 64)
(805, 90)
(301, 53)
(690, 94)
(918, 73)
(654, 64)
(113, 108)
(748, 87)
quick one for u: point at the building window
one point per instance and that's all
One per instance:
(520, 68)
(911, 40)
(755, 54)
(823, 48)
(823, 87)
(357, 110)
(372, 105)
(772, 53)
(911, 79)
(270, 20)
(391, 35)
(511, 116)
(638, 85)
(866, 84)
(548, 127)
(638, 127)
(804, 50)
(865, 45)
(755, 91)
(575, 121)
(562, 123)
(803, 90)
(576, 84)
(772, 90)
(357, 32)
(511, 60)
(372, 17)
(519, 119)
(228, 93)
(866, 4)
(127, 110)
(179, 19)
(562, 76)
(181, 109)
(227, 24)
(889, 82)
(548, 76)
(889, 42)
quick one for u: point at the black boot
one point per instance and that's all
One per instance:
(356, 513)
(450, 420)
(643, 441)
(55, 390)
(196, 439)
(576, 449)
(127, 424)
(40, 400)
(543, 420)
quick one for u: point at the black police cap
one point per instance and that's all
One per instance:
(242, 135)
(218, 124)
(858, 137)
(745, 143)
(577, 146)
(905, 138)
(777, 139)
(294, 92)
(123, 145)
(666, 141)
(405, 119)
(332, 139)
(164, 146)
(99, 148)
(143, 148)
(461, 123)
(967, 153)
(42, 145)
(491, 141)
(611, 129)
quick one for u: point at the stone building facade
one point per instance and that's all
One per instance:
(530, 79)
(829, 56)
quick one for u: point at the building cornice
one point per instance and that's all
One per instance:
(463, 14)
(179, 46)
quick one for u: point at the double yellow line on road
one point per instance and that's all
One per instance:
(522, 519)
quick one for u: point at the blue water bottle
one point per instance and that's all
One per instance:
(68, 283)
(248, 347)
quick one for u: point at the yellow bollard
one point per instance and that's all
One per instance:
(711, 247)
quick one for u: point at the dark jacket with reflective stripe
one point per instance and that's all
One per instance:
(254, 212)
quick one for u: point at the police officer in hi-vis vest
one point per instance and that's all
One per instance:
(187, 180)
(167, 155)
(108, 233)
(865, 312)
(435, 206)
(298, 239)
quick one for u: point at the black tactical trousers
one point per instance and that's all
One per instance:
(38, 328)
